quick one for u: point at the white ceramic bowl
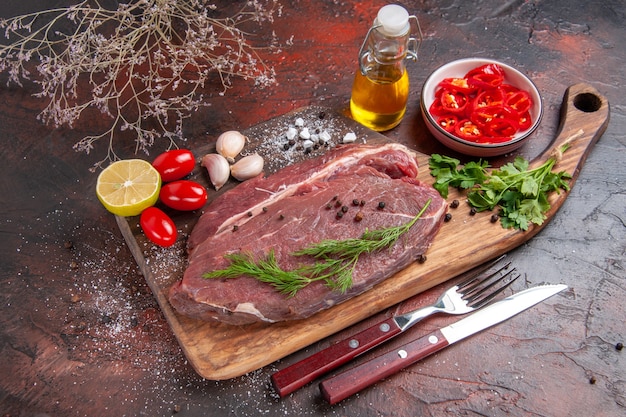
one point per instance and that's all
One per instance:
(457, 69)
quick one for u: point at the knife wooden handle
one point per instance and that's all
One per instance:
(301, 373)
(353, 380)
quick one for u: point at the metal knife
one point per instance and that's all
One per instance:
(353, 380)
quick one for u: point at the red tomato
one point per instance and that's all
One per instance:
(183, 195)
(175, 164)
(158, 227)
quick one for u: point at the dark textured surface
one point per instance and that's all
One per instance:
(81, 334)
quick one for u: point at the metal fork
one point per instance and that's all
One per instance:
(473, 293)
(478, 290)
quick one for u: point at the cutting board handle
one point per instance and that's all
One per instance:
(584, 117)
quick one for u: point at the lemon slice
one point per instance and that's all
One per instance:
(128, 187)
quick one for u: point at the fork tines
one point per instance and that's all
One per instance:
(481, 289)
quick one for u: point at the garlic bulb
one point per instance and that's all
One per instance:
(247, 167)
(218, 169)
(229, 144)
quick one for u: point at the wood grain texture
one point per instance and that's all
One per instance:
(219, 351)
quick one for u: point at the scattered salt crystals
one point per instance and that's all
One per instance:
(349, 137)
(285, 140)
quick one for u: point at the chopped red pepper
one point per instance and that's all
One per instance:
(453, 101)
(481, 107)
(486, 76)
(468, 130)
(457, 84)
(519, 101)
(448, 122)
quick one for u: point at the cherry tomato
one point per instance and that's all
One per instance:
(175, 164)
(183, 195)
(158, 227)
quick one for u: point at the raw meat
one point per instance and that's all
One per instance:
(294, 208)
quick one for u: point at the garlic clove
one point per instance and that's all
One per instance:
(229, 144)
(247, 167)
(218, 168)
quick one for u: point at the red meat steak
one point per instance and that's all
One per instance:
(297, 207)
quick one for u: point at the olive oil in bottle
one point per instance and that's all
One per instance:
(381, 86)
(380, 103)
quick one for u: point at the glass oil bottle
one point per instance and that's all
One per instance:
(381, 86)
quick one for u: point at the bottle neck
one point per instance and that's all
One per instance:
(383, 53)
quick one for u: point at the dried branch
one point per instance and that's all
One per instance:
(146, 64)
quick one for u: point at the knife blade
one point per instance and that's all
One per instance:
(345, 384)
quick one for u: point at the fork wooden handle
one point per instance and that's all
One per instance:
(300, 373)
(354, 380)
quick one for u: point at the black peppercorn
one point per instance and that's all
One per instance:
(344, 209)
(264, 209)
(421, 258)
(286, 146)
(235, 228)
(472, 211)
(619, 346)
(494, 218)
(249, 214)
(454, 204)
(328, 206)
(339, 214)
(322, 115)
(447, 217)
(381, 205)
(355, 202)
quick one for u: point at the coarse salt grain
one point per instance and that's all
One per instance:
(305, 134)
(292, 132)
(349, 137)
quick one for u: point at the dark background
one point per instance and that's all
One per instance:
(81, 334)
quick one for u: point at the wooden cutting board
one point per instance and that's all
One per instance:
(219, 351)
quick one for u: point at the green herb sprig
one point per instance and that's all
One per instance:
(520, 192)
(335, 266)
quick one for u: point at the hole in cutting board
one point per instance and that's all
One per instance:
(587, 102)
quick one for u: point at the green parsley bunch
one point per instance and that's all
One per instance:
(520, 192)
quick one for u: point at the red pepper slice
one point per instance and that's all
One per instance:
(468, 130)
(488, 98)
(484, 115)
(519, 101)
(524, 121)
(457, 84)
(448, 122)
(494, 69)
(436, 109)
(486, 76)
(453, 101)
(501, 127)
